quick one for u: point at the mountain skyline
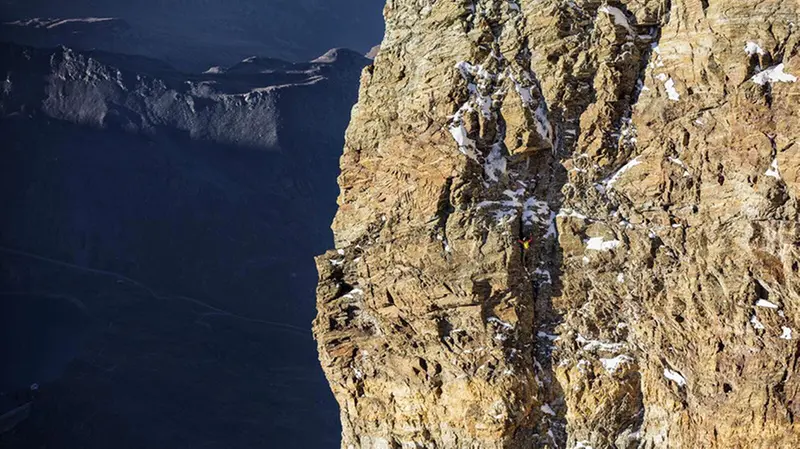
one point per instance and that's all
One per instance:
(194, 35)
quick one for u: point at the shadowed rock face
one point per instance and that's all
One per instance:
(174, 218)
(649, 149)
(196, 34)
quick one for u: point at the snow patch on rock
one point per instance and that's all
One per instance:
(675, 377)
(751, 48)
(613, 364)
(773, 74)
(773, 171)
(619, 17)
(672, 93)
(600, 244)
(766, 304)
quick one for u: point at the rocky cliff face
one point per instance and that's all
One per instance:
(649, 149)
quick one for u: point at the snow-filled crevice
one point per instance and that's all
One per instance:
(486, 92)
(504, 127)
(509, 189)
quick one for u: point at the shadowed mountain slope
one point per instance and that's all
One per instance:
(172, 220)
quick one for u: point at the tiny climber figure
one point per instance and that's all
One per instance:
(526, 243)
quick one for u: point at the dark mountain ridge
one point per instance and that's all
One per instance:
(238, 106)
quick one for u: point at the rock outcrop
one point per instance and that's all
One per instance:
(649, 151)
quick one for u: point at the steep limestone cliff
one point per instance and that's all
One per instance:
(649, 149)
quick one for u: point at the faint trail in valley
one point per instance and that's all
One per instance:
(73, 300)
(151, 292)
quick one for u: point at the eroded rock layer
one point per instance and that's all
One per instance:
(649, 151)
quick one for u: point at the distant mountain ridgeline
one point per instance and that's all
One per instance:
(244, 105)
(193, 35)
